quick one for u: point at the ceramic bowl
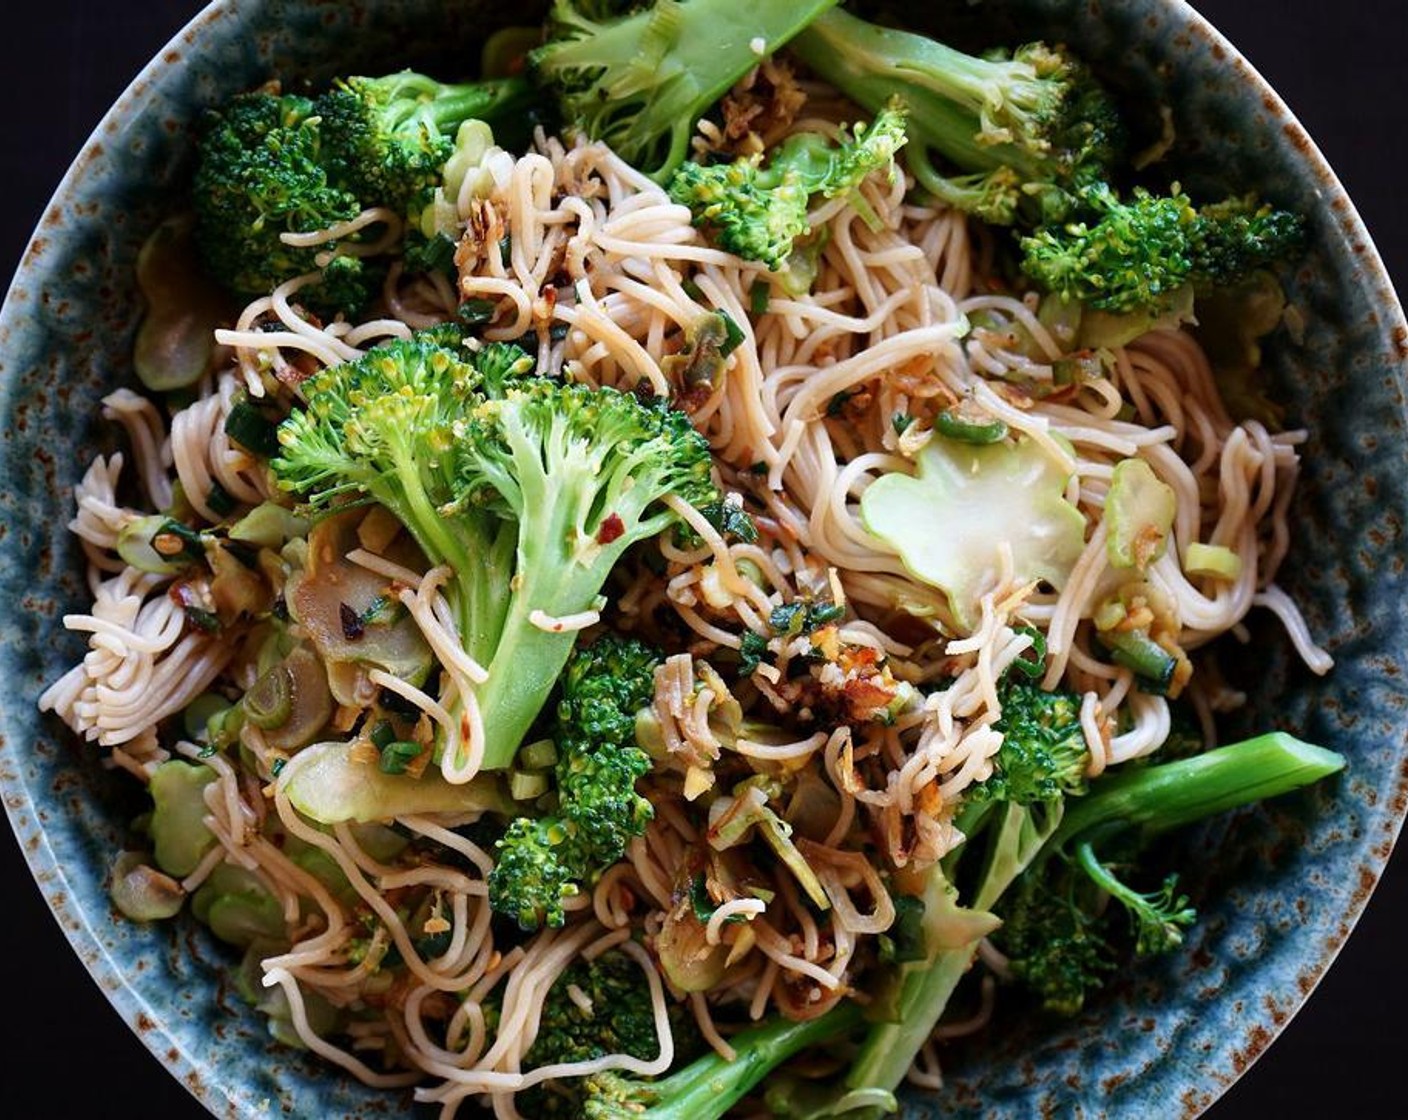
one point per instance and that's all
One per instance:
(1286, 881)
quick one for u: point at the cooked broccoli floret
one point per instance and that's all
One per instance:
(534, 871)
(758, 211)
(1031, 139)
(619, 1020)
(640, 77)
(1228, 240)
(527, 488)
(387, 139)
(542, 861)
(1134, 255)
(603, 687)
(1043, 756)
(272, 164)
(1158, 918)
(1019, 135)
(1051, 935)
(262, 173)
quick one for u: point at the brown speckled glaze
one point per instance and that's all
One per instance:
(1284, 884)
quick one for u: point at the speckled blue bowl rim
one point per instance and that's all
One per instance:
(195, 1070)
(53, 879)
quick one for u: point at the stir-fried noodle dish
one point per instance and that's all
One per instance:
(669, 579)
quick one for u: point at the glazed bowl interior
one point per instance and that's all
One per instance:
(1287, 881)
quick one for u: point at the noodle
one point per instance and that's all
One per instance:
(864, 707)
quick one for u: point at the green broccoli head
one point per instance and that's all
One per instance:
(598, 810)
(535, 871)
(598, 790)
(620, 1018)
(389, 138)
(594, 464)
(366, 425)
(757, 212)
(1133, 255)
(639, 77)
(384, 426)
(1052, 937)
(1229, 240)
(604, 686)
(260, 173)
(271, 164)
(1082, 134)
(1043, 756)
(740, 214)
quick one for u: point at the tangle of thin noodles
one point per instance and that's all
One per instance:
(604, 278)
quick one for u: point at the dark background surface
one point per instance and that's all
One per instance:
(1339, 68)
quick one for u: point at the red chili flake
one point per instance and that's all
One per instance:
(691, 399)
(352, 625)
(611, 529)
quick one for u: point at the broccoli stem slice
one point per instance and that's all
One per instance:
(710, 1086)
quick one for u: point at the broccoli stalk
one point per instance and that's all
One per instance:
(708, 1087)
(1151, 800)
(582, 472)
(527, 488)
(541, 860)
(757, 212)
(1003, 840)
(640, 81)
(1025, 133)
